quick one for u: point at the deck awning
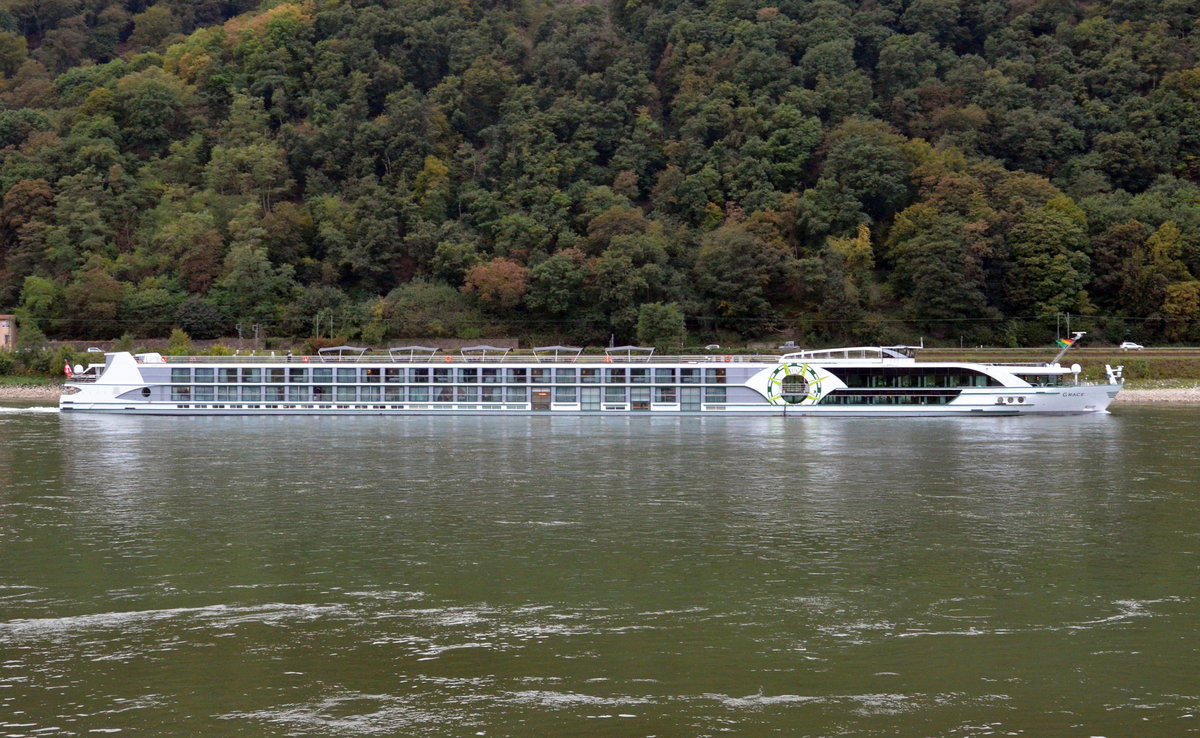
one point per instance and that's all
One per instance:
(410, 353)
(341, 353)
(556, 353)
(480, 353)
(630, 353)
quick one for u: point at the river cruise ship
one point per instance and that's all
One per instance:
(883, 381)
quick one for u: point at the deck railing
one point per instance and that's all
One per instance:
(511, 358)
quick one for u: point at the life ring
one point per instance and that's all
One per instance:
(305, 359)
(728, 358)
(608, 358)
(448, 359)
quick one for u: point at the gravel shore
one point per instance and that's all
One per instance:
(1172, 396)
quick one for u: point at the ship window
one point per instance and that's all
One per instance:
(146, 391)
(564, 376)
(715, 376)
(181, 375)
(614, 376)
(490, 376)
(322, 392)
(467, 374)
(589, 398)
(639, 376)
(564, 394)
(539, 375)
(443, 394)
(344, 394)
(420, 376)
(418, 394)
(322, 375)
(372, 375)
(251, 394)
(181, 393)
(227, 376)
(275, 375)
(590, 376)
(689, 376)
(639, 398)
(614, 394)
(227, 394)
(664, 376)
(516, 376)
(689, 398)
(665, 394)
(204, 394)
(714, 394)
(795, 388)
(393, 394)
(298, 375)
(251, 375)
(491, 394)
(442, 375)
(273, 394)
(514, 394)
(393, 375)
(466, 394)
(347, 376)
(204, 375)
(296, 393)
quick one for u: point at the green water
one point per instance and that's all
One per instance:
(599, 576)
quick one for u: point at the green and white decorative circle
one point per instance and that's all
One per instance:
(793, 384)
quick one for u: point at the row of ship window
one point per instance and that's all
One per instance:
(342, 393)
(447, 375)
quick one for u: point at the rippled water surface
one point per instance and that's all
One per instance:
(599, 576)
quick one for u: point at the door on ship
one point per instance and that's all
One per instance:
(541, 398)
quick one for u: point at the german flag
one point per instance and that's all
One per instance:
(1065, 342)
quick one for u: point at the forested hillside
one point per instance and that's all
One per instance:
(824, 170)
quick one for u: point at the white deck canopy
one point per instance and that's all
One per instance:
(556, 353)
(630, 353)
(410, 353)
(341, 353)
(480, 353)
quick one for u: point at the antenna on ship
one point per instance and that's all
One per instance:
(1067, 343)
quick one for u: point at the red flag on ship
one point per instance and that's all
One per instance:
(67, 369)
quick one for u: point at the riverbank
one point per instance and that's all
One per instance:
(1128, 396)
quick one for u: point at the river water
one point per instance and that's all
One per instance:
(600, 576)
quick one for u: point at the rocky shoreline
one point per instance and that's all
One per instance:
(1162, 396)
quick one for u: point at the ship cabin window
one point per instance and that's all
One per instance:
(664, 376)
(227, 394)
(322, 392)
(515, 394)
(689, 376)
(913, 377)
(275, 375)
(322, 375)
(466, 394)
(181, 393)
(443, 394)
(204, 375)
(639, 376)
(390, 394)
(614, 394)
(347, 376)
(393, 375)
(296, 375)
(469, 375)
(372, 375)
(226, 376)
(273, 394)
(564, 376)
(491, 394)
(639, 398)
(689, 399)
(295, 393)
(442, 375)
(564, 394)
(490, 376)
(179, 375)
(1043, 380)
(204, 394)
(589, 399)
(345, 394)
(538, 375)
(665, 394)
(418, 376)
(516, 376)
(614, 376)
(418, 394)
(590, 376)
(714, 394)
(369, 394)
(251, 376)
(251, 394)
(715, 376)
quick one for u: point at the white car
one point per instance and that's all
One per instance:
(1131, 346)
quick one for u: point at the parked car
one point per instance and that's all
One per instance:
(789, 346)
(1131, 346)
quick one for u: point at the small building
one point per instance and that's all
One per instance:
(8, 332)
